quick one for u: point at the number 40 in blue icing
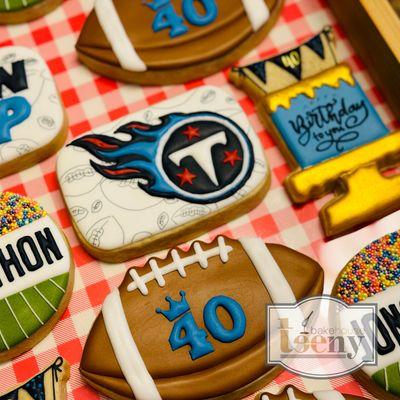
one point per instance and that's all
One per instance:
(13, 111)
(194, 336)
(167, 17)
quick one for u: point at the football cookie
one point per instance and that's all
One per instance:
(328, 131)
(163, 175)
(33, 124)
(192, 325)
(48, 385)
(18, 11)
(36, 274)
(373, 276)
(291, 393)
(172, 41)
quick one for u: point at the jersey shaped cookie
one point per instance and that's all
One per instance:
(291, 393)
(172, 41)
(372, 276)
(162, 175)
(192, 326)
(18, 11)
(33, 124)
(48, 385)
(36, 274)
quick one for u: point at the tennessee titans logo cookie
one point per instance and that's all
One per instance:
(199, 157)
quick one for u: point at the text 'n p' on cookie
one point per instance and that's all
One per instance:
(163, 175)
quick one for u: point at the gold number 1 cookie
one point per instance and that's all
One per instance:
(329, 132)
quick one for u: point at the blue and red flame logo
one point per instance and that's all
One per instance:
(200, 157)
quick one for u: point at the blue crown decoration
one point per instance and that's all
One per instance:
(176, 308)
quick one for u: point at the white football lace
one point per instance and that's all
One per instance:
(178, 264)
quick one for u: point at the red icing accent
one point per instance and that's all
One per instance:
(191, 132)
(138, 125)
(231, 157)
(186, 177)
(99, 143)
(120, 171)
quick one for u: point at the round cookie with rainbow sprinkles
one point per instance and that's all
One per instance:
(373, 276)
(36, 274)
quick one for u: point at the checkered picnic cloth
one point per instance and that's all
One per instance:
(92, 101)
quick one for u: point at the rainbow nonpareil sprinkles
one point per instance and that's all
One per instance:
(372, 270)
(17, 211)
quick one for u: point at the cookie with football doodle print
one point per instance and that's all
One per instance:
(36, 274)
(18, 11)
(50, 384)
(292, 393)
(162, 175)
(172, 41)
(33, 123)
(372, 276)
(192, 325)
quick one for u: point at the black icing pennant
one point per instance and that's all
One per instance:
(35, 387)
(290, 62)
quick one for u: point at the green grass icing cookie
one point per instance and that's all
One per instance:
(16, 5)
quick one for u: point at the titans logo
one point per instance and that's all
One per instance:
(200, 157)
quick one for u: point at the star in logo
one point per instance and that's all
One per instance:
(186, 177)
(231, 157)
(191, 132)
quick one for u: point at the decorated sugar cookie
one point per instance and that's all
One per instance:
(18, 11)
(192, 326)
(291, 393)
(36, 274)
(33, 124)
(50, 384)
(328, 131)
(373, 276)
(172, 41)
(162, 175)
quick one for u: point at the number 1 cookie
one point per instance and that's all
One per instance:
(18, 11)
(172, 41)
(162, 175)
(36, 274)
(33, 124)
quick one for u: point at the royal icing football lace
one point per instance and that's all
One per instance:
(178, 264)
(17, 211)
(372, 270)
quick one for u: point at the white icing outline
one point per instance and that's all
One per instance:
(126, 351)
(257, 12)
(328, 395)
(178, 264)
(115, 32)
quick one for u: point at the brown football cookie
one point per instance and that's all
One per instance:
(172, 41)
(36, 274)
(372, 277)
(50, 384)
(18, 11)
(292, 393)
(192, 325)
(33, 123)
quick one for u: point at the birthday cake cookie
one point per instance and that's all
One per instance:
(18, 11)
(373, 276)
(292, 393)
(36, 274)
(172, 41)
(192, 325)
(162, 175)
(33, 125)
(50, 384)
(328, 131)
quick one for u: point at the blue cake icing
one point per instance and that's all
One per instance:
(335, 121)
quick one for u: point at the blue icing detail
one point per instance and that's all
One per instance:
(176, 308)
(335, 121)
(13, 111)
(166, 18)
(194, 17)
(213, 323)
(194, 337)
